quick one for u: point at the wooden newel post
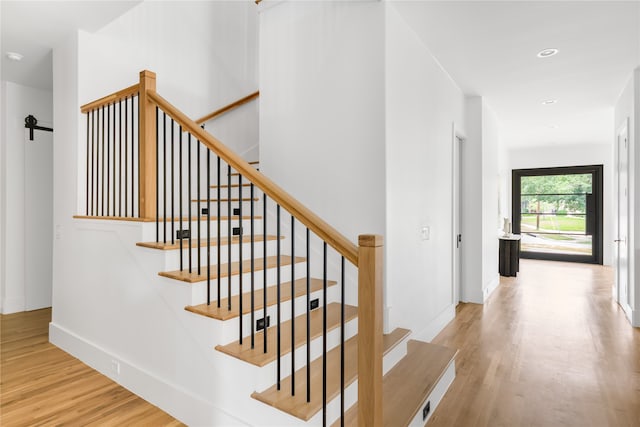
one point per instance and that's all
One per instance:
(370, 259)
(147, 141)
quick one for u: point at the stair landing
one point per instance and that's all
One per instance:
(408, 384)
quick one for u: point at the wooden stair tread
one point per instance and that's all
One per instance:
(175, 219)
(203, 242)
(407, 384)
(222, 313)
(260, 264)
(232, 185)
(258, 357)
(297, 405)
(234, 199)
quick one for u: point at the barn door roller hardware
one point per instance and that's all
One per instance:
(31, 123)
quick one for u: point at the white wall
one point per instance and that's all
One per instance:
(422, 103)
(636, 178)
(322, 109)
(481, 213)
(108, 304)
(491, 214)
(26, 200)
(573, 155)
(628, 108)
(204, 54)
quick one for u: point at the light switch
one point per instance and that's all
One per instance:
(425, 233)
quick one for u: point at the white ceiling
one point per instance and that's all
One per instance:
(489, 49)
(32, 28)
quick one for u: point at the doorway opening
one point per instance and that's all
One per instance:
(558, 213)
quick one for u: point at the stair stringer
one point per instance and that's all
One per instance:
(137, 319)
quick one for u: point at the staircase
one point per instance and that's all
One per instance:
(303, 303)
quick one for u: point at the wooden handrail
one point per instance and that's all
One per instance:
(228, 108)
(322, 229)
(110, 99)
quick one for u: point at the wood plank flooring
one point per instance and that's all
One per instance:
(550, 348)
(42, 385)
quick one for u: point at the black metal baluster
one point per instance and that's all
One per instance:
(102, 171)
(173, 183)
(229, 234)
(264, 269)
(157, 179)
(180, 194)
(342, 286)
(278, 289)
(252, 270)
(114, 160)
(133, 165)
(87, 186)
(308, 319)
(164, 176)
(108, 156)
(209, 227)
(189, 193)
(126, 160)
(93, 154)
(120, 128)
(239, 249)
(198, 214)
(293, 313)
(324, 334)
(218, 230)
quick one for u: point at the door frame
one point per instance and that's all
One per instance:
(626, 306)
(457, 141)
(597, 190)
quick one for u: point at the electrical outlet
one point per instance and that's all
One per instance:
(115, 367)
(261, 324)
(183, 234)
(314, 303)
(425, 410)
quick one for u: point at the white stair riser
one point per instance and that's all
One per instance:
(435, 397)
(213, 227)
(172, 257)
(149, 228)
(199, 289)
(230, 328)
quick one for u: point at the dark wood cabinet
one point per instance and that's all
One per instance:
(509, 262)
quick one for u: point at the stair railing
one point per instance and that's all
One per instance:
(228, 108)
(169, 143)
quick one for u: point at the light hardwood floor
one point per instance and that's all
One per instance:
(550, 348)
(44, 386)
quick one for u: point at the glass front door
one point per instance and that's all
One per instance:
(558, 213)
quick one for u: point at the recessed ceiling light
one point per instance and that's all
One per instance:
(545, 53)
(14, 56)
(549, 101)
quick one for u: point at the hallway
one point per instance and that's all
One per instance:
(549, 348)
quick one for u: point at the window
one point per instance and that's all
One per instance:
(558, 212)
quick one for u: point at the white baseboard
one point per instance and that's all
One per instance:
(436, 396)
(178, 402)
(13, 305)
(436, 325)
(635, 318)
(488, 290)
